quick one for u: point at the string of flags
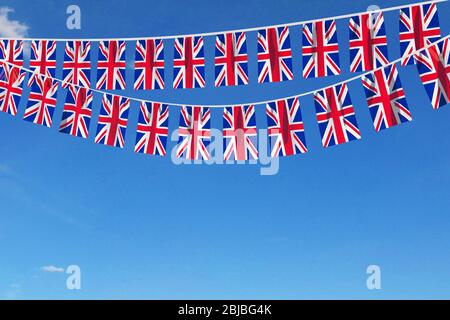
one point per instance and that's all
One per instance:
(418, 24)
(420, 43)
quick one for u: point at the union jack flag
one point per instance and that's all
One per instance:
(320, 49)
(231, 59)
(386, 98)
(111, 65)
(11, 81)
(77, 112)
(285, 128)
(112, 121)
(368, 42)
(12, 51)
(77, 64)
(239, 133)
(189, 63)
(41, 101)
(149, 65)
(152, 129)
(433, 65)
(194, 133)
(274, 55)
(336, 116)
(43, 57)
(419, 26)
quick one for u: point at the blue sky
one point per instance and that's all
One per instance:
(141, 227)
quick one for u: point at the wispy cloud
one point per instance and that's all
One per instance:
(14, 291)
(11, 28)
(5, 169)
(25, 191)
(52, 268)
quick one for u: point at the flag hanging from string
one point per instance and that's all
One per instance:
(320, 49)
(419, 26)
(433, 65)
(11, 83)
(194, 133)
(274, 55)
(285, 128)
(111, 65)
(112, 121)
(231, 59)
(336, 116)
(77, 64)
(386, 98)
(12, 51)
(368, 42)
(77, 112)
(239, 133)
(149, 65)
(189, 63)
(41, 100)
(43, 57)
(152, 128)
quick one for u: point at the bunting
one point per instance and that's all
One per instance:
(77, 64)
(231, 59)
(336, 116)
(433, 65)
(41, 100)
(419, 26)
(149, 65)
(368, 42)
(43, 57)
(12, 51)
(111, 65)
(112, 121)
(189, 63)
(152, 129)
(285, 128)
(274, 55)
(11, 81)
(194, 133)
(77, 112)
(386, 98)
(320, 49)
(239, 133)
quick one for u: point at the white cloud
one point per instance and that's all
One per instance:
(52, 268)
(11, 28)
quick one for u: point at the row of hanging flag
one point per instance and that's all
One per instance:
(335, 113)
(419, 25)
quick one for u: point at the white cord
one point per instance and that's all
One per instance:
(204, 34)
